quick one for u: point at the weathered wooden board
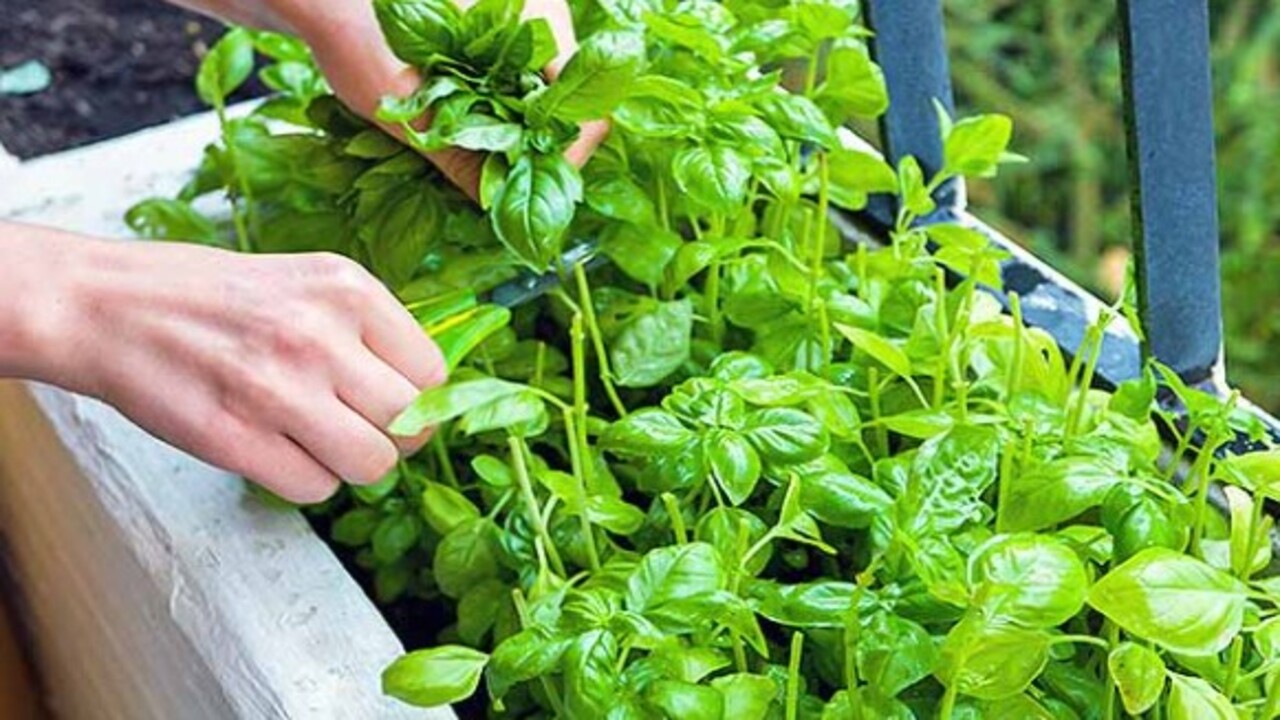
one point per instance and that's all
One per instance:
(151, 584)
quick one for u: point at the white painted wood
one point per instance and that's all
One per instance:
(8, 160)
(152, 584)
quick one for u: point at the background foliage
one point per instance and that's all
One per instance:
(1054, 67)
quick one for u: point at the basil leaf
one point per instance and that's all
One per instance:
(1052, 492)
(533, 208)
(821, 604)
(595, 80)
(714, 176)
(395, 536)
(734, 464)
(652, 345)
(685, 700)
(446, 402)
(590, 678)
(529, 654)
(854, 85)
(435, 677)
(989, 660)
(483, 133)
(646, 432)
(466, 557)
(884, 351)
(1030, 580)
(444, 508)
(669, 581)
(614, 515)
(660, 107)
(1138, 674)
(1191, 698)
(1173, 600)
(786, 435)
(419, 31)
(355, 527)
(226, 67)
(894, 653)
(798, 118)
(746, 696)
(976, 145)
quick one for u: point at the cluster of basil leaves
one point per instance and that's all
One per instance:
(747, 470)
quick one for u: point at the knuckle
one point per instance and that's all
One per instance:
(343, 279)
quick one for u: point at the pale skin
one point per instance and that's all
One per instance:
(283, 368)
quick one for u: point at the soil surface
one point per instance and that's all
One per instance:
(118, 66)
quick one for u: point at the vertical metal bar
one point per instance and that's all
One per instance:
(1169, 121)
(911, 48)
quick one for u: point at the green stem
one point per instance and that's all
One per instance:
(243, 242)
(793, 676)
(581, 459)
(712, 300)
(818, 241)
(1112, 631)
(664, 212)
(1251, 547)
(672, 505)
(944, 335)
(1233, 667)
(518, 451)
(1272, 708)
(1092, 346)
(442, 459)
(873, 388)
(597, 340)
(1002, 487)
(811, 76)
(1200, 476)
(1184, 443)
(1019, 339)
(949, 702)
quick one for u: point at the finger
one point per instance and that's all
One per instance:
(278, 464)
(345, 443)
(593, 134)
(393, 335)
(379, 394)
(561, 22)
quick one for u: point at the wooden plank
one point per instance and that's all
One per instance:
(154, 585)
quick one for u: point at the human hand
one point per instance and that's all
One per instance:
(284, 369)
(351, 51)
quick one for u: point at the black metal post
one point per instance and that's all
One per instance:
(911, 48)
(1169, 120)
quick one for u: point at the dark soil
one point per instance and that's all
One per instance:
(118, 66)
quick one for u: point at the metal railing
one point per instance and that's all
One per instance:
(1168, 113)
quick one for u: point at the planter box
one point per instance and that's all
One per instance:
(151, 585)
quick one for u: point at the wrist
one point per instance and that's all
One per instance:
(46, 271)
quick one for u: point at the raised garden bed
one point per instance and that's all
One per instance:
(758, 471)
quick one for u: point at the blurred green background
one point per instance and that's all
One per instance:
(1054, 66)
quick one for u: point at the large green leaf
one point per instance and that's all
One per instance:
(597, 78)
(1031, 580)
(1173, 600)
(532, 210)
(435, 677)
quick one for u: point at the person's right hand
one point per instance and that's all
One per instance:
(285, 369)
(353, 54)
